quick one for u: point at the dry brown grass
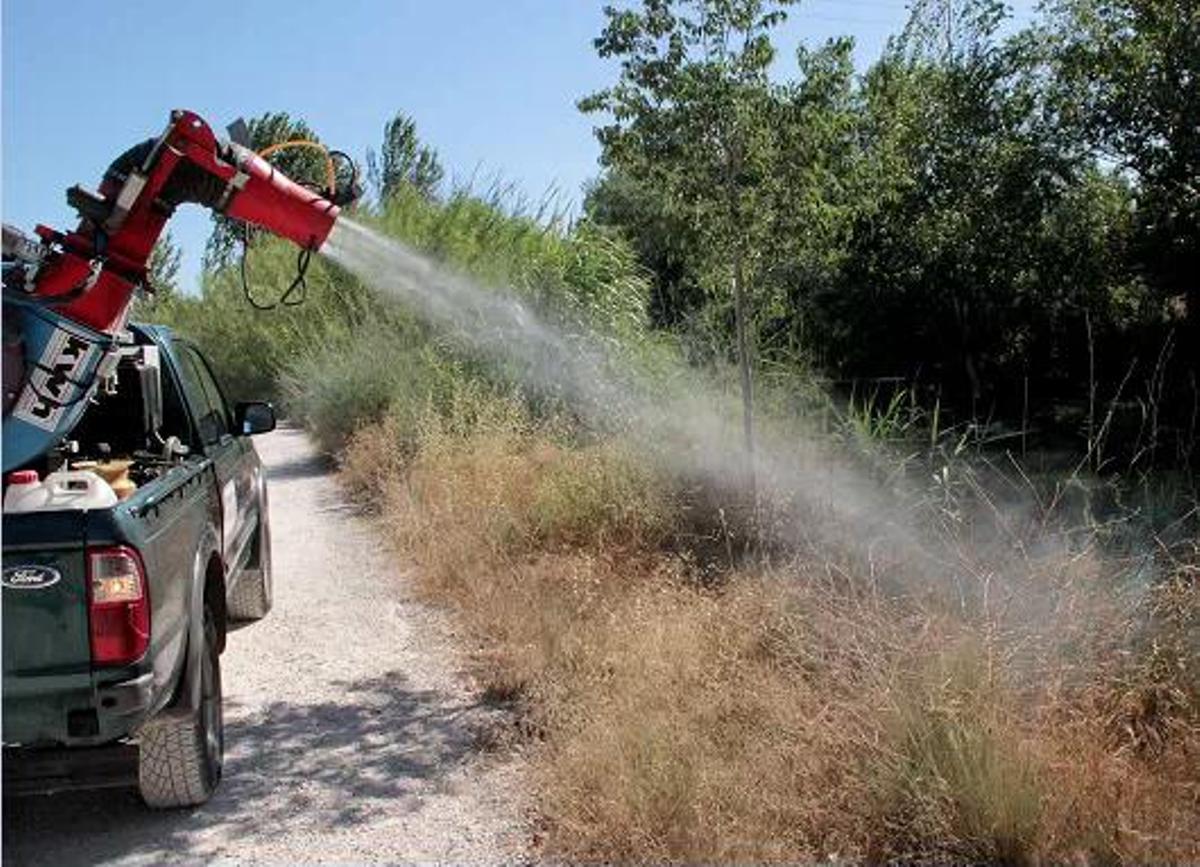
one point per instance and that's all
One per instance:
(785, 715)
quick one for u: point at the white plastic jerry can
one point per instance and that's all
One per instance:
(25, 492)
(66, 489)
(78, 489)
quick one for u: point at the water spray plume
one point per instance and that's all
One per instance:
(690, 424)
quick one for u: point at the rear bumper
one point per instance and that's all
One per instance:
(75, 761)
(31, 771)
(127, 697)
(72, 715)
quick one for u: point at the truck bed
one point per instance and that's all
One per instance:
(52, 694)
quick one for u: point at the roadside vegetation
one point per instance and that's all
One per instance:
(684, 702)
(969, 630)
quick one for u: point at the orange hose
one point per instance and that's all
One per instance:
(330, 172)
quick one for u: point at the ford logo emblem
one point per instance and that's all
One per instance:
(30, 577)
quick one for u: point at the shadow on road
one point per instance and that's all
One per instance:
(304, 468)
(327, 765)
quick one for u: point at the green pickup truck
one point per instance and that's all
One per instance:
(127, 550)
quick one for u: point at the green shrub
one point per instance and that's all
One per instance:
(601, 496)
(959, 778)
(385, 369)
(250, 348)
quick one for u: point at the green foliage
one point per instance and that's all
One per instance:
(388, 368)
(1126, 78)
(1127, 84)
(690, 115)
(403, 161)
(662, 239)
(164, 267)
(1005, 225)
(162, 275)
(250, 348)
(872, 420)
(583, 278)
(950, 257)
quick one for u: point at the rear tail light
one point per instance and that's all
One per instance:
(119, 605)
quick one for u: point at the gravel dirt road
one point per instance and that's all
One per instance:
(351, 730)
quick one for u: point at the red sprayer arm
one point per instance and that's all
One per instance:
(276, 203)
(93, 278)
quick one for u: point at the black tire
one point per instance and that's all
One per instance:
(252, 595)
(180, 758)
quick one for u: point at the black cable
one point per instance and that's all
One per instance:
(245, 277)
(351, 191)
(299, 285)
(296, 292)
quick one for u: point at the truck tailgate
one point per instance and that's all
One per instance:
(47, 655)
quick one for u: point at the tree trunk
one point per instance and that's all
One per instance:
(732, 168)
(739, 313)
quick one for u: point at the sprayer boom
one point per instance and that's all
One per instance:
(67, 298)
(91, 275)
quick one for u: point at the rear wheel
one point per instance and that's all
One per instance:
(180, 758)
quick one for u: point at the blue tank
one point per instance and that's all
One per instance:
(50, 372)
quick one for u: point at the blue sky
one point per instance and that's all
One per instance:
(491, 83)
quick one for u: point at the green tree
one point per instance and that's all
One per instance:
(664, 242)
(1127, 75)
(820, 186)
(165, 261)
(690, 118)
(162, 275)
(402, 161)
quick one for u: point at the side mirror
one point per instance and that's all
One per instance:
(254, 417)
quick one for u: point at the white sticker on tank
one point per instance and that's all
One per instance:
(51, 387)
